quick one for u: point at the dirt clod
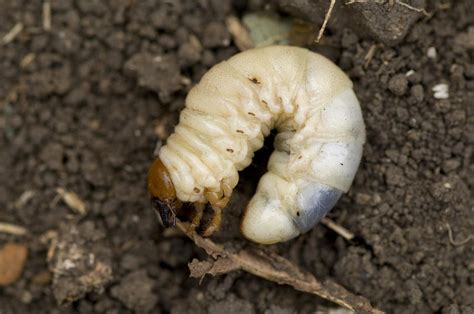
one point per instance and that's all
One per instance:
(136, 292)
(398, 84)
(80, 262)
(159, 73)
(231, 304)
(387, 22)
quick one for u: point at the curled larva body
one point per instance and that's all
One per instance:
(318, 148)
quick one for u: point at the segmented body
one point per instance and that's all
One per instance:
(307, 99)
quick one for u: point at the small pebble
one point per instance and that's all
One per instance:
(441, 91)
(12, 261)
(431, 53)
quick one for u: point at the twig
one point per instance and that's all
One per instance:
(451, 238)
(12, 229)
(272, 267)
(51, 237)
(72, 200)
(11, 35)
(26, 61)
(406, 5)
(24, 198)
(343, 232)
(47, 15)
(239, 32)
(326, 20)
(370, 55)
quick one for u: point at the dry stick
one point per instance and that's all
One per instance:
(24, 198)
(451, 238)
(72, 200)
(370, 55)
(419, 10)
(271, 267)
(27, 60)
(343, 232)
(326, 20)
(12, 229)
(47, 15)
(241, 34)
(11, 35)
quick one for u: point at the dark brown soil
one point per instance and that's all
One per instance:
(109, 80)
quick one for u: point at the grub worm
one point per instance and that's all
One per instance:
(318, 148)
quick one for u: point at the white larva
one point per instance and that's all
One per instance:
(318, 148)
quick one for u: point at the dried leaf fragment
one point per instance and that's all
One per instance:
(72, 200)
(12, 229)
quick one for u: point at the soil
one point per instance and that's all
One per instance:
(83, 105)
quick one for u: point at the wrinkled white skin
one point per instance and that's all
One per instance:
(308, 99)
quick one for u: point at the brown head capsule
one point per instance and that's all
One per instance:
(163, 193)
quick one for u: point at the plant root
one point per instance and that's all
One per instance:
(272, 267)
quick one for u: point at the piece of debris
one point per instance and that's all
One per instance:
(272, 267)
(431, 53)
(327, 16)
(343, 232)
(12, 261)
(24, 198)
(12, 229)
(11, 35)
(370, 55)
(81, 261)
(441, 91)
(240, 34)
(47, 15)
(72, 201)
(27, 60)
(460, 242)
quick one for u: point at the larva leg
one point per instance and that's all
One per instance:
(227, 190)
(199, 211)
(217, 201)
(215, 222)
